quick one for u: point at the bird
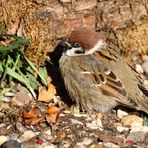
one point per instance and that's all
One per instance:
(97, 77)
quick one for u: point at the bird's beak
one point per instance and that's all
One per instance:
(64, 45)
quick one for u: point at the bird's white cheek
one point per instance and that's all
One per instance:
(100, 45)
(70, 52)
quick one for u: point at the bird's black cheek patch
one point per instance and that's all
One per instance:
(79, 52)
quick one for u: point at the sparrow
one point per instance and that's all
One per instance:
(96, 77)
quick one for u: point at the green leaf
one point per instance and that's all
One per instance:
(43, 79)
(32, 80)
(43, 72)
(1, 67)
(14, 45)
(22, 79)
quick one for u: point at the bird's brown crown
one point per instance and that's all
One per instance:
(85, 37)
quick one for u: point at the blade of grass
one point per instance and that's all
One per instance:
(22, 79)
(14, 67)
(35, 69)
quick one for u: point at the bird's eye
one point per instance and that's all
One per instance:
(76, 45)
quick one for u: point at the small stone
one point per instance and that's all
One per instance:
(27, 135)
(140, 128)
(4, 130)
(121, 129)
(9, 94)
(80, 145)
(6, 99)
(80, 115)
(139, 68)
(21, 99)
(48, 132)
(3, 139)
(74, 121)
(146, 82)
(65, 1)
(20, 127)
(87, 141)
(11, 144)
(111, 145)
(13, 136)
(96, 124)
(46, 135)
(145, 58)
(81, 6)
(138, 134)
(132, 120)
(121, 113)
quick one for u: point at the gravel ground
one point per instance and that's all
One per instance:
(121, 127)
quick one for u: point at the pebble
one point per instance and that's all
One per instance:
(138, 133)
(3, 139)
(80, 145)
(132, 120)
(140, 128)
(28, 135)
(14, 136)
(47, 135)
(20, 127)
(48, 132)
(6, 99)
(145, 82)
(9, 94)
(121, 129)
(11, 144)
(96, 124)
(74, 121)
(87, 141)
(121, 113)
(139, 68)
(30, 144)
(65, 1)
(21, 99)
(111, 145)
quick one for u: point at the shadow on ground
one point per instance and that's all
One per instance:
(54, 72)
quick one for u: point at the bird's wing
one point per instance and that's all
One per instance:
(104, 80)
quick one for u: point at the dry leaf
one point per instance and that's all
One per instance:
(53, 114)
(46, 95)
(34, 121)
(53, 110)
(31, 114)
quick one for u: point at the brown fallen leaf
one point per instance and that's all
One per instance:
(52, 114)
(34, 121)
(31, 114)
(46, 95)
